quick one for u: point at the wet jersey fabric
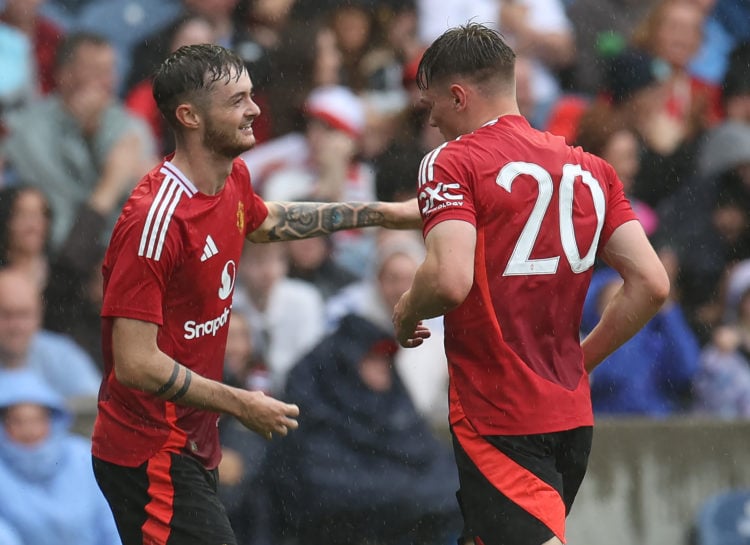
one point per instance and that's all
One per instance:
(542, 211)
(172, 261)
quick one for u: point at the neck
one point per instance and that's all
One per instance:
(33, 264)
(207, 170)
(492, 110)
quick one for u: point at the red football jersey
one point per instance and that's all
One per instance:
(172, 260)
(542, 211)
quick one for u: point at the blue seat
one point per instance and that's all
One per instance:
(724, 519)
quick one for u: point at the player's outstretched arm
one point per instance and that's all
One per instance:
(295, 220)
(645, 289)
(140, 364)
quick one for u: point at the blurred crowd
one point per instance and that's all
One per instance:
(659, 88)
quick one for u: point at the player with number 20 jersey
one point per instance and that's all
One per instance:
(541, 210)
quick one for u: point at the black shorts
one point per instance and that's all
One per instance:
(517, 490)
(169, 500)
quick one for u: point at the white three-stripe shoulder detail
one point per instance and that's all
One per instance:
(159, 217)
(427, 166)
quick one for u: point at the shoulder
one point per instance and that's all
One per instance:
(449, 155)
(600, 168)
(44, 111)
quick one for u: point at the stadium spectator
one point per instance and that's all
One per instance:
(242, 488)
(43, 34)
(722, 384)
(652, 373)
(323, 164)
(602, 29)
(424, 372)
(79, 141)
(711, 213)
(24, 232)
(24, 344)
(16, 86)
(364, 466)
(307, 57)
(275, 306)
(48, 494)
(124, 24)
(311, 260)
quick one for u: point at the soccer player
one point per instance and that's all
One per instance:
(513, 221)
(169, 275)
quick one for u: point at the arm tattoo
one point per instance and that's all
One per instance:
(172, 379)
(310, 219)
(185, 385)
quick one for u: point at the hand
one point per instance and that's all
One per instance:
(266, 415)
(408, 333)
(402, 215)
(121, 168)
(663, 133)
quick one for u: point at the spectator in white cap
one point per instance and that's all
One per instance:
(327, 169)
(323, 164)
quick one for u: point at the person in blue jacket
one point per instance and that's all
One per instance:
(48, 495)
(652, 373)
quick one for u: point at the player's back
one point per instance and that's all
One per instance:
(541, 210)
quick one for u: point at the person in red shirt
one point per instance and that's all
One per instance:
(514, 220)
(169, 276)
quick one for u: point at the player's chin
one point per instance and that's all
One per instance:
(245, 142)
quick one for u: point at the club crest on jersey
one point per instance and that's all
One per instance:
(241, 216)
(439, 197)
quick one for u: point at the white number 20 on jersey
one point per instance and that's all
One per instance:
(520, 262)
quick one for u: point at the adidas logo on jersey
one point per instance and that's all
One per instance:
(209, 249)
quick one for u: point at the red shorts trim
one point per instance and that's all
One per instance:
(514, 481)
(160, 509)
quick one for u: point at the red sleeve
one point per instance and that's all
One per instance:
(136, 272)
(444, 190)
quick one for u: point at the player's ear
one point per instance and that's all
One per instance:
(188, 115)
(458, 94)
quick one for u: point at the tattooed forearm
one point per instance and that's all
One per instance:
(290, 221)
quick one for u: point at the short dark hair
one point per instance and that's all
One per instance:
(73, 41)
(190, 72)
(473, 51)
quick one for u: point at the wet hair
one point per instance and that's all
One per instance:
(190, 73)
(472, 51)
